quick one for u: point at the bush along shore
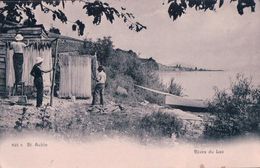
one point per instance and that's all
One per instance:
(236, 111)
(136, 113)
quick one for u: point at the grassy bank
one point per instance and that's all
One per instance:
(78, 120)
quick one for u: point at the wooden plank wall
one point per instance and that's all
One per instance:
(30, 55)
(75, 76)
(2, 68)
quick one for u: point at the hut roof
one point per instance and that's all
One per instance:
(32, 32)
(36, 34)
(62, 37)
(67, 44)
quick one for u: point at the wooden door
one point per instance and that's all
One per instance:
(75, 76)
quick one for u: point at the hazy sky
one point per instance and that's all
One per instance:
(220, 39)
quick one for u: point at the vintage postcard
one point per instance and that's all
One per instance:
(129, 84)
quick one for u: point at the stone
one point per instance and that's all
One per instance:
(121, 91)
(22, 99)
(18, 100)
(73, 99)
(13, 98)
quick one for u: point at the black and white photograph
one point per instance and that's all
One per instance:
(130, 84)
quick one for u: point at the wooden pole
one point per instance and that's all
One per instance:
(54, 72)
(94, 66)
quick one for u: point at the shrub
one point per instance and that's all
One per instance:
(23, 121)
(153, 97)
(125, 82)
(125, 69)
(237, 110)
(44, 119)
(160, 124)
(152, 81)
(175, 88)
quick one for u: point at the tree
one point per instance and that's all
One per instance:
(55, 30)
(104, 49)
(15, 11)
(178, 8)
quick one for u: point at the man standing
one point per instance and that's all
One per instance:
(18, 48)
(100, 86)
(37, 73)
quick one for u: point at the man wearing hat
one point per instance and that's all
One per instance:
(37, 72)
(100, 86)
(18, 48)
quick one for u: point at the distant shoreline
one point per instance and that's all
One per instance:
(191, 70)
(184, 68)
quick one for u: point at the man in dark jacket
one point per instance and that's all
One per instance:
(37, 72)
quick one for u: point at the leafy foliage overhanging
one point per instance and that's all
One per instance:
(16, 10)
(178, 7)
(22, 11)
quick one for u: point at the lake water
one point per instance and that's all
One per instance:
(200, 85)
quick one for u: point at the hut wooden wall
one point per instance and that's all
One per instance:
(30, 55)
(2, 68)
(75, 76)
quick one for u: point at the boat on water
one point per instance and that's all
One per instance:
(183, 103)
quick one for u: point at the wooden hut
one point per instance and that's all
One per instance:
(74, 70)
(40, 46)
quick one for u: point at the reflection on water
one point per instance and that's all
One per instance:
(200, 85)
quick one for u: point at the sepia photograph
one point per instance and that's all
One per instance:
(130, 84)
